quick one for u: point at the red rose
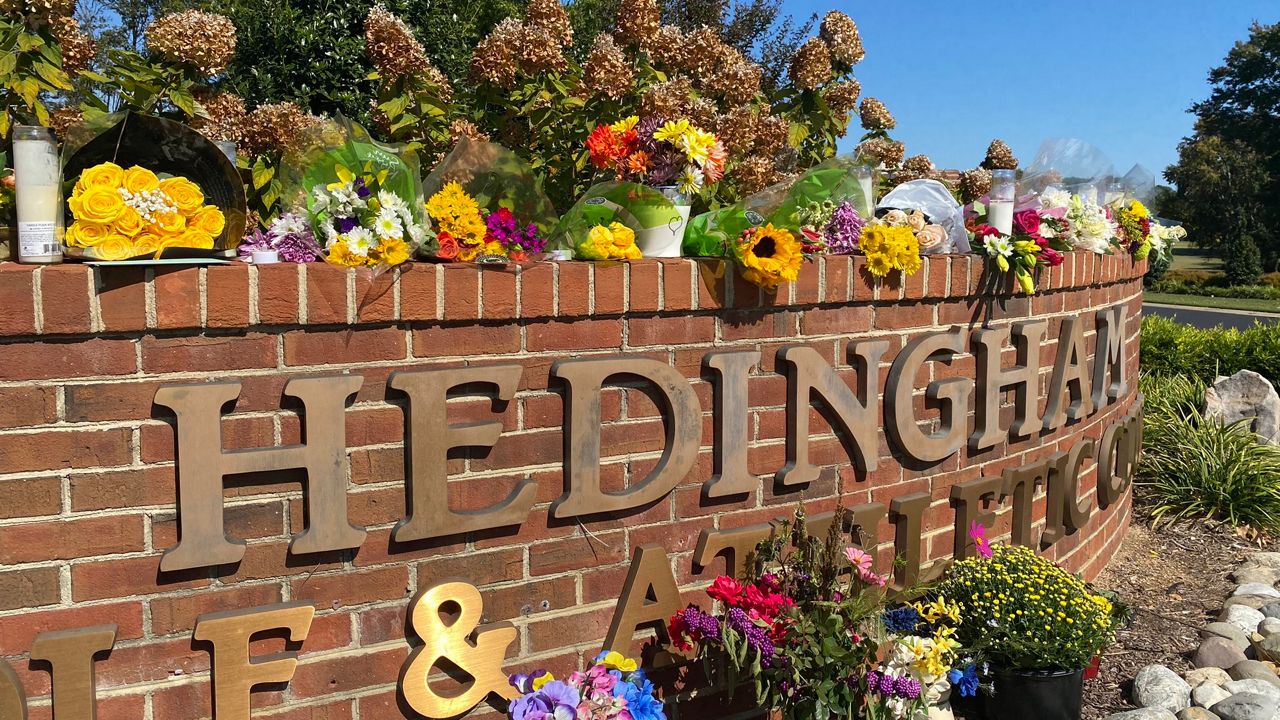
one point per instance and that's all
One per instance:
(448, 246)
(726, 590)
(1026, 222)
(984, 230)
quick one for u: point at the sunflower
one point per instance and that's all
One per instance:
(769, 256)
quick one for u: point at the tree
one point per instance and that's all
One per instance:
(1228, 171)
(758, 28)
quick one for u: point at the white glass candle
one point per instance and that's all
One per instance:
(265, 257)
(1000, 201)
(37, 175)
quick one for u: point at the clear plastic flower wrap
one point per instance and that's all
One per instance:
(139, 187)
(784, 206)
(610, 218)
(1068, 164)
(486, 204)
(940, 210)
(363, 198)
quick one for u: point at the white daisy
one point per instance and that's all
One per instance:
(359, 241)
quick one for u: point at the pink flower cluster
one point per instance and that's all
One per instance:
(1029, 224)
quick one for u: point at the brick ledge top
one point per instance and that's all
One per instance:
(73, 299)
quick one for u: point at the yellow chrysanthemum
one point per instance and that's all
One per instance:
(391, 252)
(340, 254)
(451, 202)
(769, 256)
(625, 124)
(878, 264)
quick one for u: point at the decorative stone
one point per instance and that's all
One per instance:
(1252, 685)
(1265, 559)
(1246, 618)
(1256, 574)
(1270, 626)
(1265, 647)
(1255, 670)
(1245, 395)
(1247, 706)
(1260, 589)
(1228, 631)
(1196, 713)
(1203, 675)
(1156, 686)
(1207, 695)
(1217, 652)
(1249, 601)
(1143, 714)
(1271, 610)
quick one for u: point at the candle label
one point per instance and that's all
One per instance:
(38, 239)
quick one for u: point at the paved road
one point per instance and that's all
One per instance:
(1208, 317)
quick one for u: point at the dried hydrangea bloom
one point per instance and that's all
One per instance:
(916, 167)
(204, 40)
(735, 78)
(461, 128)
(875, 116)
(538, 51)
(887, 152)
(605, 71)
(638, 22)
(840, 33)
(394, 50)
(666, 47)
(550, 16)
(78, 49)
(224, 116)
(842, 97)
(754, 174)
(667, 100)
(494, 60)
(64, 119)
(811, 65)
(974, 183)
(703, 52)
(39, 11)
(737, 128)
(701, 112)
(1000, 157)
(280, 127)
(772, 134)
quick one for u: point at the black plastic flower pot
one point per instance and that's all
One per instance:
(1038, 694)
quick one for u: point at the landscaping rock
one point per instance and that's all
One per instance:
(1271, 610)
(1250, 601)
(1143, 714)
(1247, 706)
(1253, 669)
(1207, 695)
(1270, 626)
(1226, 630)
(1252, 685)
(1265, 647)
(1259, 589)
(1215, 675)
(1196, 713)
(1265, 559)
(1245, 395)
(1156, 686)
(1246, 618)
(1256, 574)
(1217, 652)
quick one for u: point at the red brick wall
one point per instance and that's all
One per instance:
(87, 486)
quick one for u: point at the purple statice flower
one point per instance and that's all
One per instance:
(290, 235)
(757, 637)
(361, 189)
(906, 687)
(346, 225)
(843, 230)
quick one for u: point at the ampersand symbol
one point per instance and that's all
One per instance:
(477, 651)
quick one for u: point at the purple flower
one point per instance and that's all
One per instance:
(843, 230)
(561, 693)
(702, 623)
(361, 189)
(290, 235)
(886, 685)
(907, 687)
(346, 225)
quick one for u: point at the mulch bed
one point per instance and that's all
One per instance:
(1175, 577)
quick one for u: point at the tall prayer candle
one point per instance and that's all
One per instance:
(37, 176)
(1000, 203)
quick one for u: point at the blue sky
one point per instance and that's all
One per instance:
(1119, 74)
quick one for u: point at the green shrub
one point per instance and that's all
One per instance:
(1171, 348)
(1197, 468)
(1251, 292)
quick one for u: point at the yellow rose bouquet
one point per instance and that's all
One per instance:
(122, 214)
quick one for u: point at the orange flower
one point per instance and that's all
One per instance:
(607, 146)
(716, 156)
(448, 246)
(638, 163)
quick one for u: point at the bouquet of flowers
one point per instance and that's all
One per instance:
(467, 233)
(658, 153)
(121, 214)
(830, 228)
(769, 256)
(1135, 224)
(890, 243)
(614, 220)
(1086, 225)
(796, 625)
(1036, 242)
(290, 235)
(919, 666)
(612, 688)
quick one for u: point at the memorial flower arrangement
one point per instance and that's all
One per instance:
(363, 223)
(794, 625)
(1087, 225)
(290, 235)
(768, 256)
(658, 153)
(122, 213)
(614, 241)
(613, 688)
(1135, 224)
(919, 666)
(892, 243)
(1029, 247)
(465, 232)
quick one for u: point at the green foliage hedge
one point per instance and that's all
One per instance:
(1170, 348)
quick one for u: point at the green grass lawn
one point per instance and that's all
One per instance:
(1186, 256)
(1267, 306)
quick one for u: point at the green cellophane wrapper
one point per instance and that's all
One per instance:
(637, 206)
(341, 142)
(496, 178)
(712, 234)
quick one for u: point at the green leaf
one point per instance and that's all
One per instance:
(28, 88)
(262, 173)
(184, 100)
(52, 75)
(8, 61)
(395, 106)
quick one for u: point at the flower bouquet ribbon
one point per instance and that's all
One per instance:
(362, 198)
(142, 188)
(604, 223)
(485, 204)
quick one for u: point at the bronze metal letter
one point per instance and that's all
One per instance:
(731, 415)
(234, 672)
(968, 498)
(1118, 453)
(682, 417)
(953, 393)
(427, 453)
(907, 513)
(856, 416)
(1020, 484)
(735, 545)
(1063, 509)
(649, 597)
(13, 701)
(1109, 357)
(1024, 378)
(1069, 373)
(202, 465)
(70, 657)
